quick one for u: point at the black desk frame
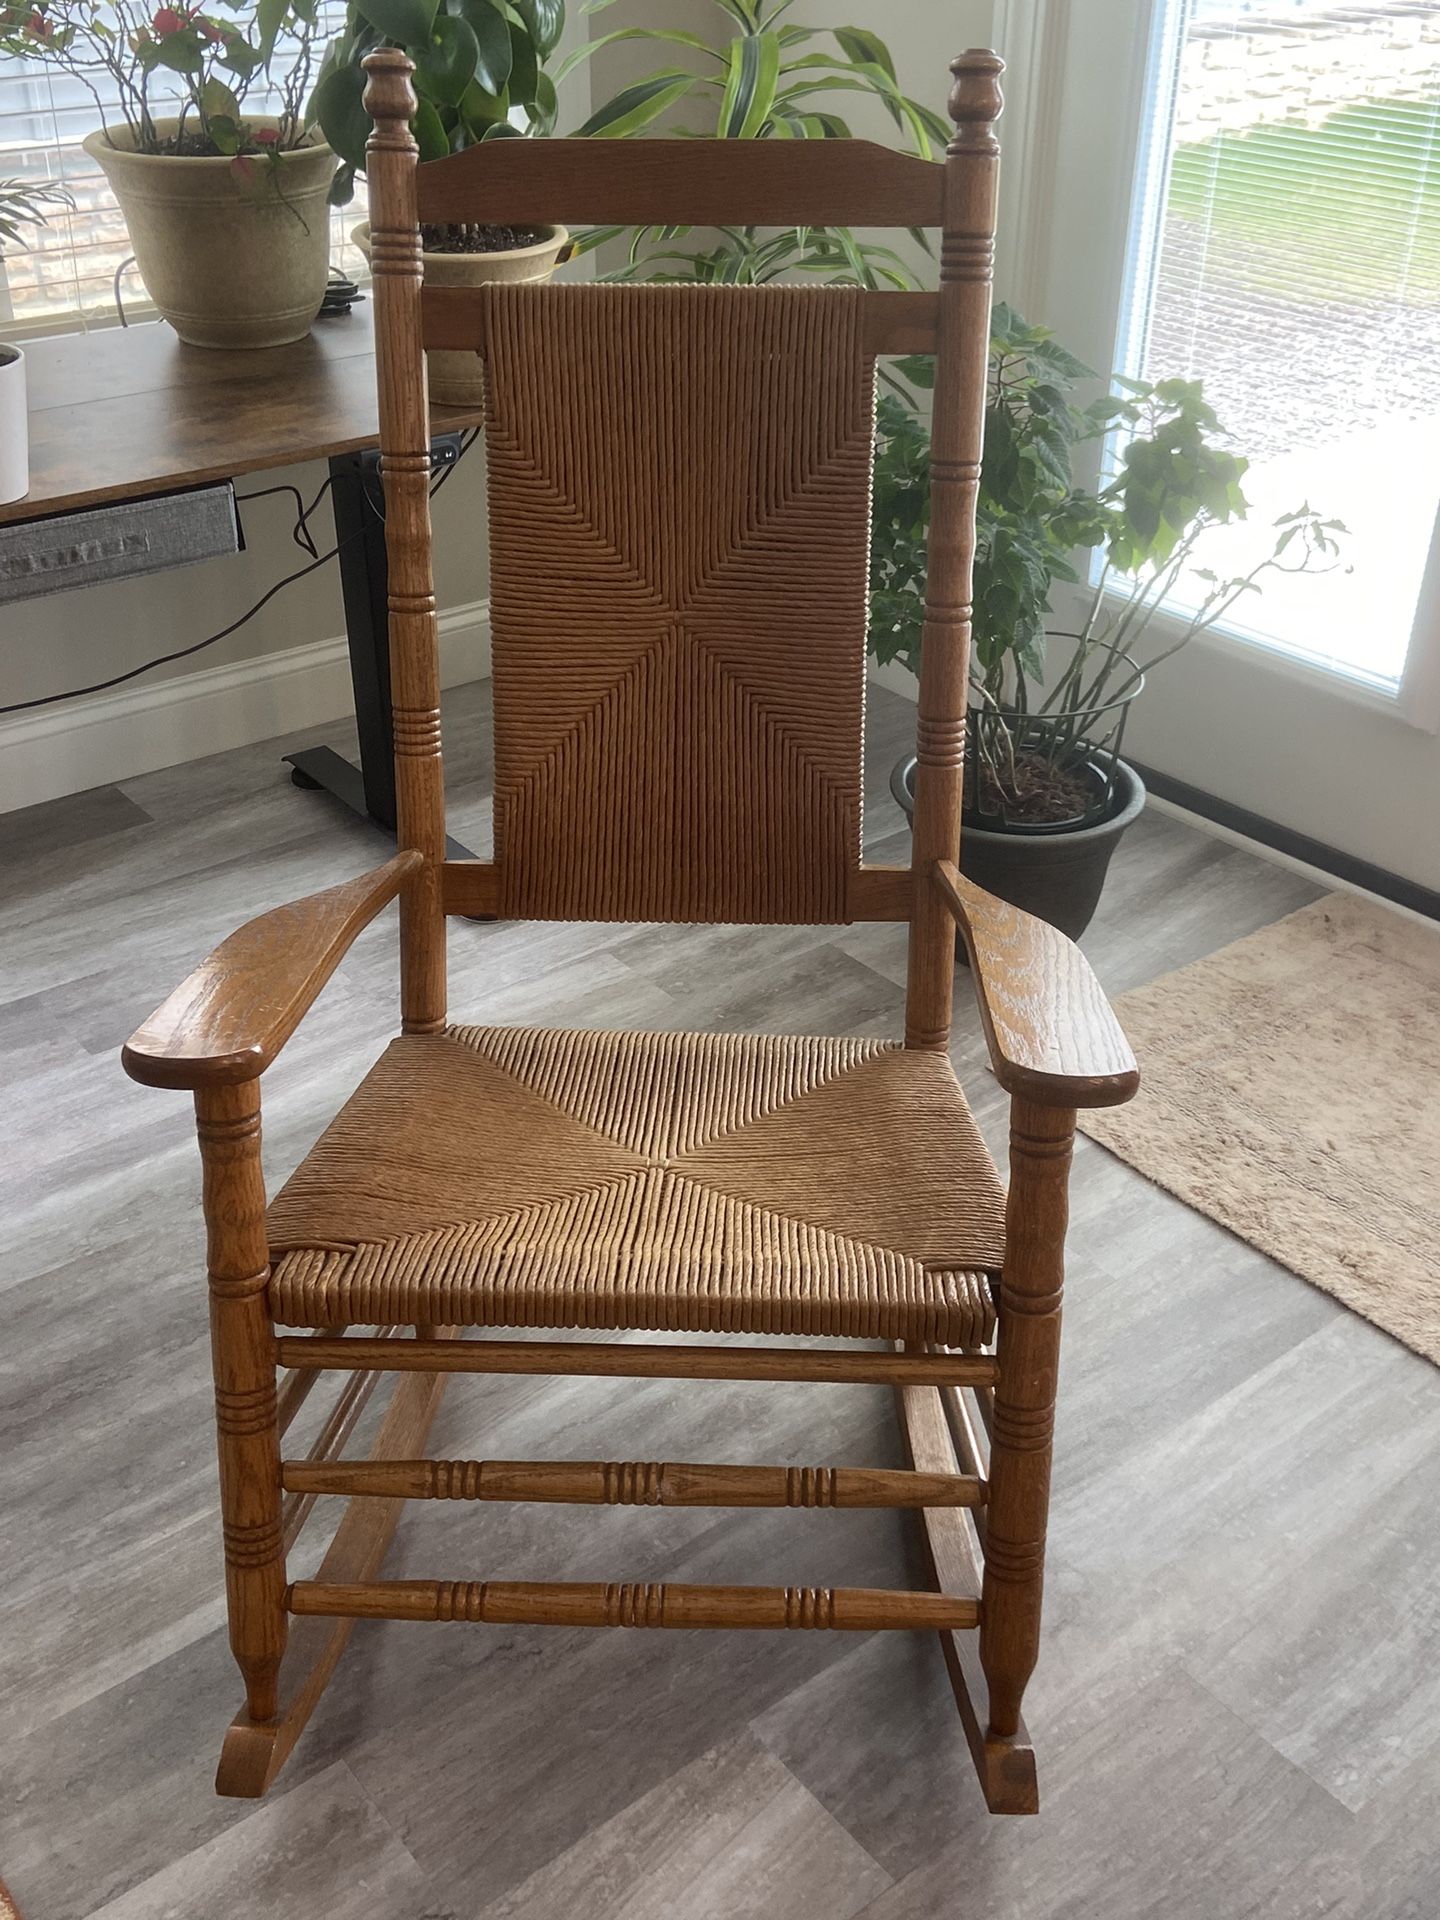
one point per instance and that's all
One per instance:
(359, 511)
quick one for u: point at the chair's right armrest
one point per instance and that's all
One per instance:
(1052, 1036)
(228, 1021)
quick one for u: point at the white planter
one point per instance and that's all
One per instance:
(14, 427)
(456, 379)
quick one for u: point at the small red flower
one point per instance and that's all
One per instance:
(167, 20)
(266, 136)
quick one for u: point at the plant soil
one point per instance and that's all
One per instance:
(481, 239)
(1037, 794)
(195, 146)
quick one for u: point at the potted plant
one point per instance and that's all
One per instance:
(1048, 794)
(765, 80)
(479, 75)
(22, 204)
(226, 209)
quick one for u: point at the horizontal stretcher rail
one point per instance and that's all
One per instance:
(627, 1483)
(454, 318)
(637, 1604)
(617, 1359)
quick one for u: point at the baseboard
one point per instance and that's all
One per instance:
(1327, 866)
(139, 729)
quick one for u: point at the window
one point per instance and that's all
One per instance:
(64, 274)
(1286, 251)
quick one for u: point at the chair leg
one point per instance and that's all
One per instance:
(1028, 1353)
(243, 1354)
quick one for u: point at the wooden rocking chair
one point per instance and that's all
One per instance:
(679, 503)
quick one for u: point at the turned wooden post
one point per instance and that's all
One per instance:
(391, 156)
(243, 1354)
(961, 368)
(1028, 1352)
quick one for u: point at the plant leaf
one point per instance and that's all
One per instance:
(407, 22)
(544, 21)
(338, 106)
(492, 32)
(749, 85)
(429, 131)
(637, 106)
(447, 67)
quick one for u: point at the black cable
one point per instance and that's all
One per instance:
(115, 289)
(182, 653)
(300, 533)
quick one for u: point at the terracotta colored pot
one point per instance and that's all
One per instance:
(456, 379)
(233, 255)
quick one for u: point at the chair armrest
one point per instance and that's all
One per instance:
(1052, 1035)
(227, 1022)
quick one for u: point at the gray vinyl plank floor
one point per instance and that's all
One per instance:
(1238, 1706)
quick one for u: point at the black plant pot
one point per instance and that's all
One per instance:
(1057, 875)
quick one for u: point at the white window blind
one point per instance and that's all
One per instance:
(63, 275)
(1287, 253)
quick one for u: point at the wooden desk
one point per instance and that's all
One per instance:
(124, 413)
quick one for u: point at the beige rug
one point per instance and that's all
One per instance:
(1290, 1088)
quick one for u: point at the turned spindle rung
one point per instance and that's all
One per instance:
(635, 1604)
(625, 1483)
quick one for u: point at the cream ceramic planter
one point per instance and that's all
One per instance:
(14, 426)
(456, 379)
(233, 256)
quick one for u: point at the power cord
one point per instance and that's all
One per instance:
(302, 537)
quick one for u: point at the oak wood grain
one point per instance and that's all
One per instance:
(605, 1359)
(967, 254)
(1051, 1032)
(400, 373)
(229, 1019)
(242, 1347)
(453, 318)
(631, 1483)
(584, 1603)
(770, 183)
(121, 413)
(1006, 1767)
(255, 1750)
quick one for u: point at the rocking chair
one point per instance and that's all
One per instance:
(679, 693)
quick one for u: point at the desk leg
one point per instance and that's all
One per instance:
(368, 789)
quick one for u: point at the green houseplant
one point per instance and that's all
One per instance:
(766, 78)
(225, 206)
(480, 74)
(1048, 794)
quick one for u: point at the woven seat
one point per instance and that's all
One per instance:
(695, 1182)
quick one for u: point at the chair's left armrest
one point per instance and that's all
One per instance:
(1052, 1036)
(227, 1022)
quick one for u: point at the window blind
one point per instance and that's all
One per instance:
(63, 275)
(1288, 255)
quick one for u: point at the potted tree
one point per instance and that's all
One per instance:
(479, 75)
(1048, 794)
(226, 208)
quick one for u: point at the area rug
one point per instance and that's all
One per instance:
(1290, 1088)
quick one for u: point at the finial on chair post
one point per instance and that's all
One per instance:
(389, 98)
(976, 100)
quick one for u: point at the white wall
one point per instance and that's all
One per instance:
(285, 669)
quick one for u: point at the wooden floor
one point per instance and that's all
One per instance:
(1238, 1707)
